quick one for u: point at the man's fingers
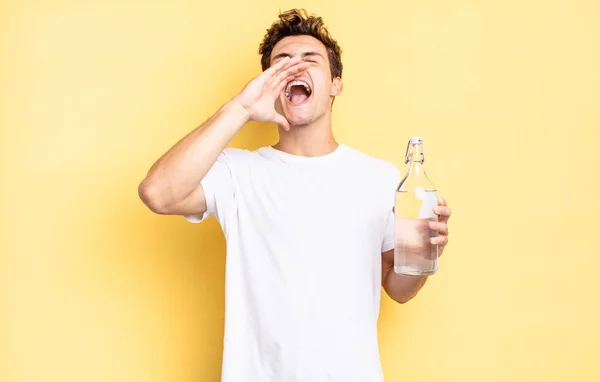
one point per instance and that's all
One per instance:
(439, 240)
(283, 84)
(292, 62)
(277, 67)
(293, 71)
(281, 65)
(441, 227)
(443, 211)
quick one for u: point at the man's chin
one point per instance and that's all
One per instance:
(298, 119)
(299, 123)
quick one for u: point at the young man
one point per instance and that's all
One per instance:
(308, 222)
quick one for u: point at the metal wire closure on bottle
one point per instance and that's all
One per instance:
(406, 159)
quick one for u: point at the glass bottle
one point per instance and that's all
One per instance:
(416, 198)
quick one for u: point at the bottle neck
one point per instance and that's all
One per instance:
(415, 156)
(415, 168)
(415, 153)
(416, 178)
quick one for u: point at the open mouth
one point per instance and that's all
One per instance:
(297, 92)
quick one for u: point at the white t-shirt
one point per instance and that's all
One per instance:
(303, 271)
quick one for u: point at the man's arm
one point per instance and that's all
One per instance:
(172, 185)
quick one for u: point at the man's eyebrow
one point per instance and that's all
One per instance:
(281, 55)
(305, 54)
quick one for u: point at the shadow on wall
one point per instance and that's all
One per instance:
(155, 288)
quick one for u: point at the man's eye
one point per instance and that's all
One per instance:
(311, 61)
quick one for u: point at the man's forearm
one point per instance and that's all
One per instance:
(179, 171)
(402, 288)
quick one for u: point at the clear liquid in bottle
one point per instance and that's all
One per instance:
(414, 254)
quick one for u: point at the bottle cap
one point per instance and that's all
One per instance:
(414, 140)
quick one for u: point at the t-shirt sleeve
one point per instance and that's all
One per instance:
(218, 185)
(388, 239)
(392, 186)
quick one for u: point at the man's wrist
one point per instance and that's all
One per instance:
(236, 107)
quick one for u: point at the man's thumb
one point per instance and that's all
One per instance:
(282, 121)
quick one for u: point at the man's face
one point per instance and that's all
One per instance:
(308, 97)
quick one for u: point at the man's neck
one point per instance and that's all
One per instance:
(311, 140)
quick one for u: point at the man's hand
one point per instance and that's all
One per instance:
(444, 212)
(259, 95)
(403, 288)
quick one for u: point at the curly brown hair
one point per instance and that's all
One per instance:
(297, 22)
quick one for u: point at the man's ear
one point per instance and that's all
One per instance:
(336, 87)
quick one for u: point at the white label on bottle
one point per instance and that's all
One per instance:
(429, 200)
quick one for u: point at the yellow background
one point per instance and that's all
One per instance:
(94, 287)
